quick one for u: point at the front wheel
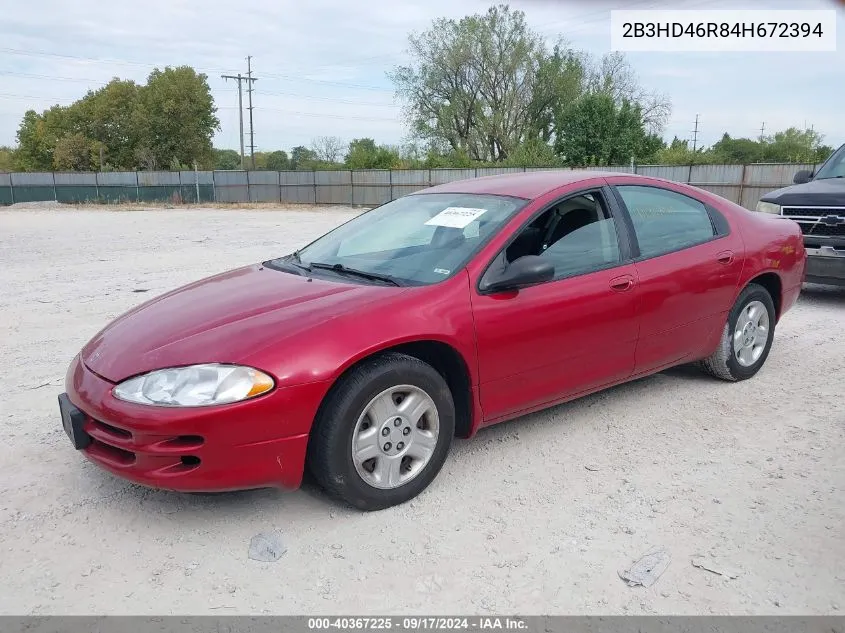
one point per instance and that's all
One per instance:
(383, 433)
(746, 338)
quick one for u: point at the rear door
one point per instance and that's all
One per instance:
(688, 265)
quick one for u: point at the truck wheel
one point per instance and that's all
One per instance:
(747, 337)
(383, 433)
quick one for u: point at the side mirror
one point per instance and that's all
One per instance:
(525, 271)
(802, 176)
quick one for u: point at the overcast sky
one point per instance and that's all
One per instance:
(322, 63)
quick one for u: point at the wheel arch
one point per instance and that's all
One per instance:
(444, 358)
(773, 284)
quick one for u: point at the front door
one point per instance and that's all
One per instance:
(552, 341)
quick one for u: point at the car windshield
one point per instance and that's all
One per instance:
(414, 240)
(834, 167)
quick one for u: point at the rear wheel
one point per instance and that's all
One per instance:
(383, 433)
(746, 338)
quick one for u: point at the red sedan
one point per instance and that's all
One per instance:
(361, 355)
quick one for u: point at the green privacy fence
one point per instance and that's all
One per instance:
(743, 184)
(108, 187)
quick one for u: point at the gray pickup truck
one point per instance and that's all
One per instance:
(817, 202)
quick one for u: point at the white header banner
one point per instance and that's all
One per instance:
(723, 30)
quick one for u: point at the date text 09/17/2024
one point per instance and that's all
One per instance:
(416, 623)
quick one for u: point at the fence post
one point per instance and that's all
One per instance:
(741, 185)
(55, 195)
(390, 175)
(429, 176)
(11, 188)
(689, 174)
(137, 189)
(314, 180)
(351, 188)
(97, 185)
(213, 186)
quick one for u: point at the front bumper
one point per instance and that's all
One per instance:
(826, 265)
(253, 444)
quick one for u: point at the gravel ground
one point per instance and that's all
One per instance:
(533, 516)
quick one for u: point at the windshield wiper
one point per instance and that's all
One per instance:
(340, 268)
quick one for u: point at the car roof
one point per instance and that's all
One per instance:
(528, 185)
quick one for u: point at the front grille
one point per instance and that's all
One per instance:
(812, 212)
(826, 230)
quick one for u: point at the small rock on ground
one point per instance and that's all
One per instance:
(267, 547)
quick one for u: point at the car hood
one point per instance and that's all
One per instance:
(828, 192)
(222, 319)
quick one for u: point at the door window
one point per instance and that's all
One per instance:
(665, 221)
(577, 235)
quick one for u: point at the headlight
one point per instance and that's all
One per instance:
(194, 386)
(768, 207)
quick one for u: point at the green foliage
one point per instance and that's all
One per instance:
(795, 146)
(7, 158)
(599, 132)
(176, 117)
(487, 86)
(533, 153)
(737, 150)
(302, 158)
(76, 152)
(226, 159)
(789, 146)
(168, 121)
(277, 161)
(363, 153)
(35, 142)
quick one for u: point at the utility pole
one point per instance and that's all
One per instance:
(249, 91)
(695, 135)
(762, 130)
(240, 79)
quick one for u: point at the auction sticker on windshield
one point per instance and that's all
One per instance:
(456, 217)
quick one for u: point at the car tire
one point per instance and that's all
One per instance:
(358, 409)
(743, 350)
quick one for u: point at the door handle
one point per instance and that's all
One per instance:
(623, 283)
(725, 257)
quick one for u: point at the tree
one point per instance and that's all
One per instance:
(75, 152)
(108, 116)
(614, 76)
(7, 158)
(35, 147)
(328, 149)
(486, 85)
(226, 159)
(533, 153)
(365, 154)
(795, 146)
(169, 120)
(597, 131)
(302, 158)
(176, 117)
(278, 161)
(737, 150)
(471, 82)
